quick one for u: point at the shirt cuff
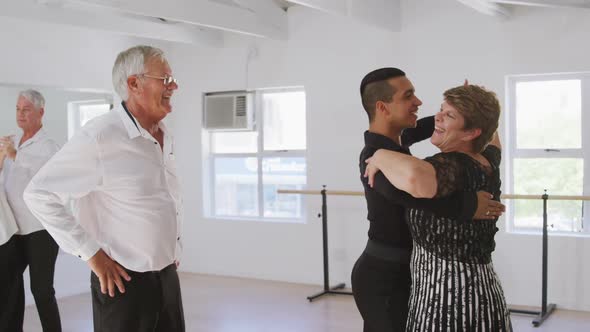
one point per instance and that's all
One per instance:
(87, 250)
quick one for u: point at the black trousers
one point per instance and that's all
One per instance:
(151, 302)
(381, 291)
(38, 251)
(12, 291)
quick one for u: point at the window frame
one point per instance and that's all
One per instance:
(209, 158)
(74, 113)
(512, 152)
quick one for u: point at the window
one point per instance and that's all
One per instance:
(547, 149)
(80, 112)
(247, 167)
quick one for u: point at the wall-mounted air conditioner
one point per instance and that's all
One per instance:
(228, 111)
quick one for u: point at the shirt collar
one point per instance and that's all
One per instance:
(379, 141)
(40, 134)
(129, 121)
(132, 125)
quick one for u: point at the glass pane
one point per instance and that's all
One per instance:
(560, 176)
(284, 120)
(89, 112)
(283, 173)
(234, 142)
(236, 187)
(549, 115)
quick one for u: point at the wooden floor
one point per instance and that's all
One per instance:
(221, 304)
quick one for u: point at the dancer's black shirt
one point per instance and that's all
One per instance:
(386, 204)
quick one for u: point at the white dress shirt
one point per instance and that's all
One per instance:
(8, 225)
(125, 194)
(30, 156)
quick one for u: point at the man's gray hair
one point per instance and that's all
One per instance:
(132, 62)
(34, 96)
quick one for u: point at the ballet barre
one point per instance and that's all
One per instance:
(360, 193)
(546, 309)
(324, 215)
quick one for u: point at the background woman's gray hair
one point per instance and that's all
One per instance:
(34, 96)
(132, 62)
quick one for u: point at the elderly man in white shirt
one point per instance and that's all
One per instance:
(24, 155)
(12, 289)
(119, 171)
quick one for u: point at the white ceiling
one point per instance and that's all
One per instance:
(204, 21)
(501, 8)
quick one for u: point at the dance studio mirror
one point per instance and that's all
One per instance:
(66, 109)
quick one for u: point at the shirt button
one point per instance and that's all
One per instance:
(79, 256)
(178, 238)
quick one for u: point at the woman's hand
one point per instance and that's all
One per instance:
(371, 170)
(496, 141)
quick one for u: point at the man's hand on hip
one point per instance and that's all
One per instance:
(109, 273)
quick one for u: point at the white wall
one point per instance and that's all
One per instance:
(440, 44)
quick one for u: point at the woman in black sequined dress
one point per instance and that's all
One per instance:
(454, 285)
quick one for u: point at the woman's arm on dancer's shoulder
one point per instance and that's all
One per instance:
(410, 174)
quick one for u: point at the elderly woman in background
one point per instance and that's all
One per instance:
(454, 285)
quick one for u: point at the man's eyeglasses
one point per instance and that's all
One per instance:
(167, 79)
